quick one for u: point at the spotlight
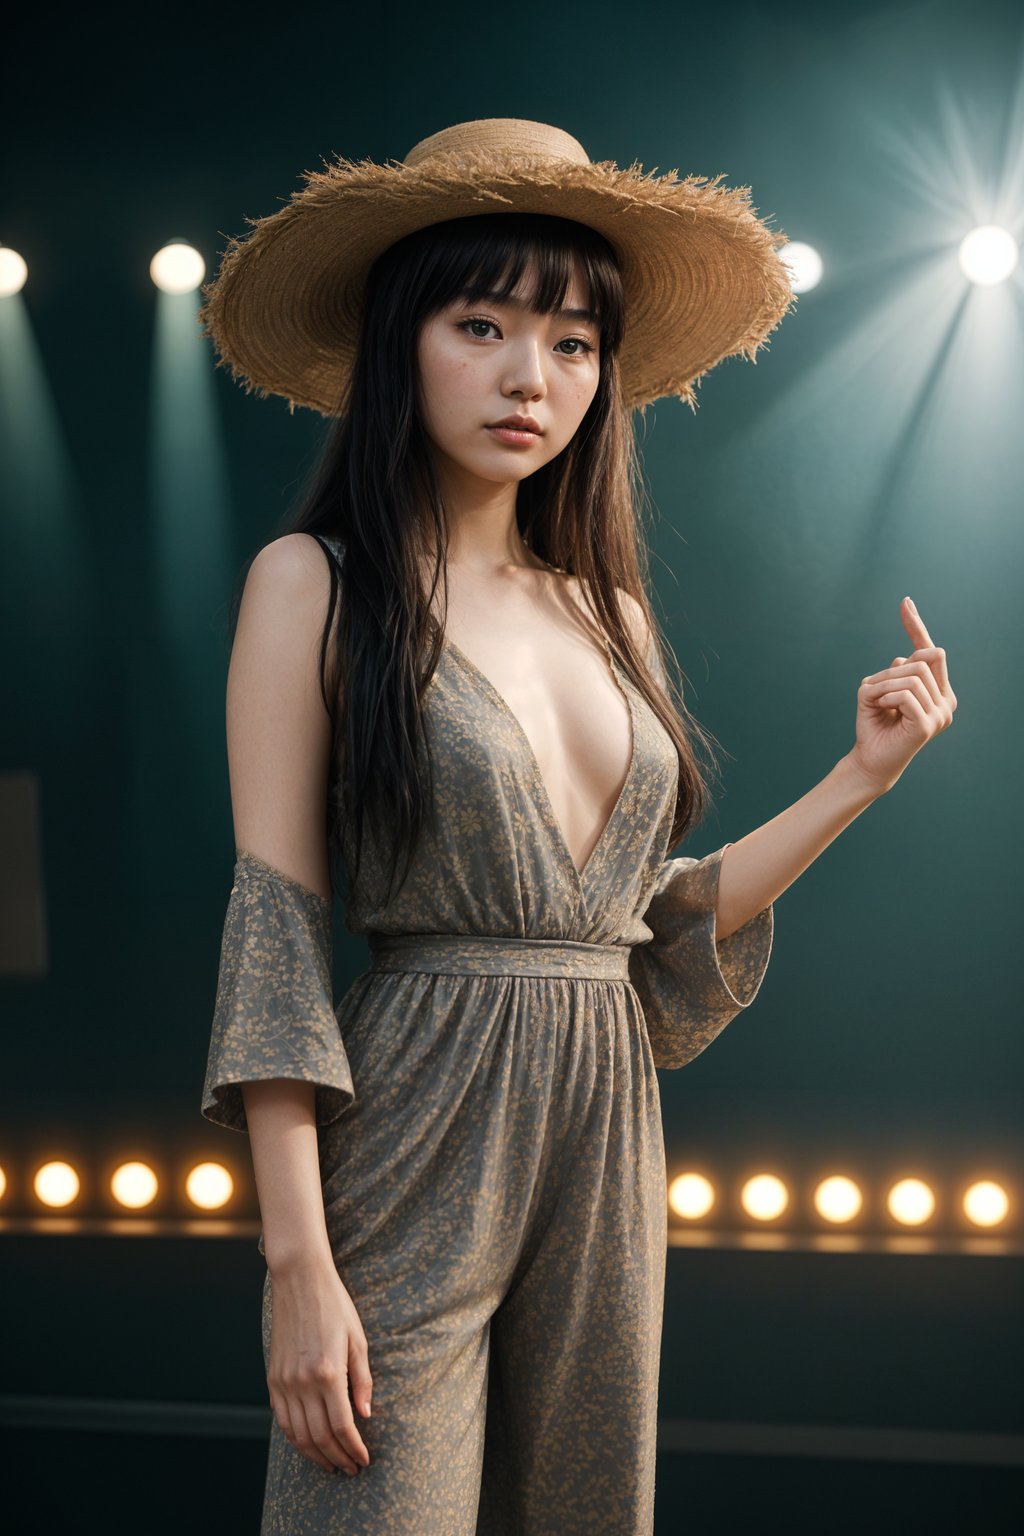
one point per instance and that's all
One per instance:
(209, 1186)
(13, 272)
(838, 1199)
(691, 1195)
(764, 1197)
(56, 1184)
(911, 1202)
(988, 254)
(804, 263)
(986, 1204)
(134, 1185)
(177, 268)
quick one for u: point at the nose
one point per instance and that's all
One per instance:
(525, 375)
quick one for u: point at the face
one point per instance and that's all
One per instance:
(480, 363)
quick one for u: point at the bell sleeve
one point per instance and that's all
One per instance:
(273, 1016)
(689, 983)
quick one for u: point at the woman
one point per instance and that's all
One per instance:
(447, 674)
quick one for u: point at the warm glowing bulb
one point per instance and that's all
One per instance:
(209, 1185)
(911, 1202)
(134, 1185)
(986, 1203)
(988, 254)
(804, 263)
(3, 1183)
(764, 1197)
(13, 272)
(177, 268)
(56, 1184)
(691, 1195)
(838, 1199)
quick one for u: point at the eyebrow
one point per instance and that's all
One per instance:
(563, 314)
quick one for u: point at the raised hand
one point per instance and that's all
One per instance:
(903, 707)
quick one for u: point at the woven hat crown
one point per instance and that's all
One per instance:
(510, 137)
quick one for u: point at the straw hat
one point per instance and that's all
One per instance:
(702, 276)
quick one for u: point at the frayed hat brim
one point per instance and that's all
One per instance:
(701, 271)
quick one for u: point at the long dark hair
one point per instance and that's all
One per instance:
(374, 490)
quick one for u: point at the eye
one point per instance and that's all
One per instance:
(463, 325)
(579, 342)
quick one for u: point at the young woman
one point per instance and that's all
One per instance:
(447, 675)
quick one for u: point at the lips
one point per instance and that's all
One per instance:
(518, 424)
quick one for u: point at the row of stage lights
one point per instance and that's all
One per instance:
(764, 1197)
(987, 255)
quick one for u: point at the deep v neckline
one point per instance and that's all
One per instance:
(547, 805)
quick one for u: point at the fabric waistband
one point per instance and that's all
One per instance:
(466, 954)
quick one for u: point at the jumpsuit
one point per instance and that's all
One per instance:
(489, 1127)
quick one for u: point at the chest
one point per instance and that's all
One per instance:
(559, 689)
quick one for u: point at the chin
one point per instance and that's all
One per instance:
(501, 466)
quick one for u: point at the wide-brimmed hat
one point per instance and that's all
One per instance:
(702, 276)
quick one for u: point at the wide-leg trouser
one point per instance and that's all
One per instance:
(496, 1204)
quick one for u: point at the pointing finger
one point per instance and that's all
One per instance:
(914, 624)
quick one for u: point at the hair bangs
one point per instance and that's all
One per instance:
(533, 256)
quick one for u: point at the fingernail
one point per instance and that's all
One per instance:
(911, 605)
(366, 1408)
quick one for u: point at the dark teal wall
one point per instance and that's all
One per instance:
(874, 450)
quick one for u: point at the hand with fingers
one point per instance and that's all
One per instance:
(902, 707)
(317, 1352)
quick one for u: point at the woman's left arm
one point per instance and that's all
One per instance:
(898, 711)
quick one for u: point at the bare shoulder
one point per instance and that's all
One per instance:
(278, 728)
(287, 592)
(632, 612)
(635, 619)
(287, 567)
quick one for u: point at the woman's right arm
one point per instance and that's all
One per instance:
(279, 743)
